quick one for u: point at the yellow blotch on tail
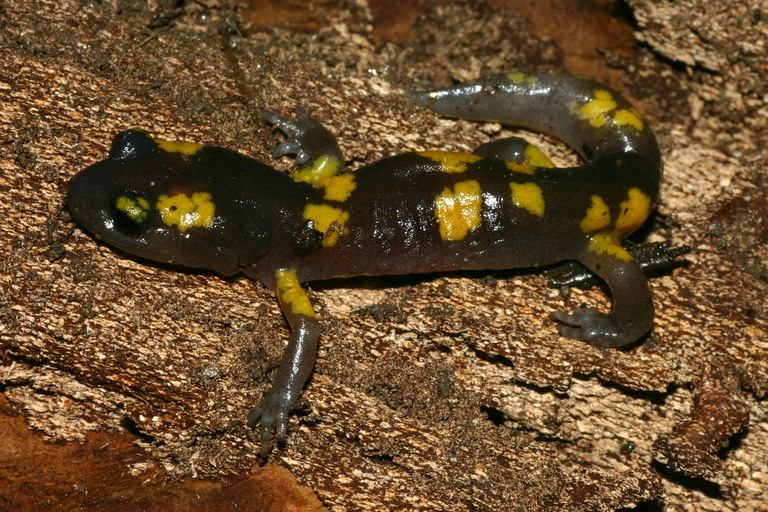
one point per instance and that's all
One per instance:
(596, 110)
(604, 109)
(518, 77)
(629, 117)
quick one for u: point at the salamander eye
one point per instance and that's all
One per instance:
(130, 213)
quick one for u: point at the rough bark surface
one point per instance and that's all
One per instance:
(449, 392)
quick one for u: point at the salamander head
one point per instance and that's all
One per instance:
(150, 199)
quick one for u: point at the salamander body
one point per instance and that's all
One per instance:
(503, 206)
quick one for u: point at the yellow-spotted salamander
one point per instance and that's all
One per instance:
(505, 205)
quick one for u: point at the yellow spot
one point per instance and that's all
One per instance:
(458, 210)
(451, 162)
(185, 148)
(629, 116)
(324, 166)
(328, 220)
(595, 110)
(528, 196)
(597, 217)
(290, 293)
(518, 78)
(633, 211)
(605, 243)
(136, 209)
(521, 168)
(338, 188)
(185, 211)
(534, 156)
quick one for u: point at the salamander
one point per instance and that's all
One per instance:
(505, 205)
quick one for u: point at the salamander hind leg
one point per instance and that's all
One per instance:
(632, 313)
(516, 150)
(652, 257)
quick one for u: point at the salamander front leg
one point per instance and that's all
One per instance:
(314, 147)
(632, 313)
(296, 365)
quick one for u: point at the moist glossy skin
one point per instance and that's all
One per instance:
(503, 206)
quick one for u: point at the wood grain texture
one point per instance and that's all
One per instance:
(448, 392)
